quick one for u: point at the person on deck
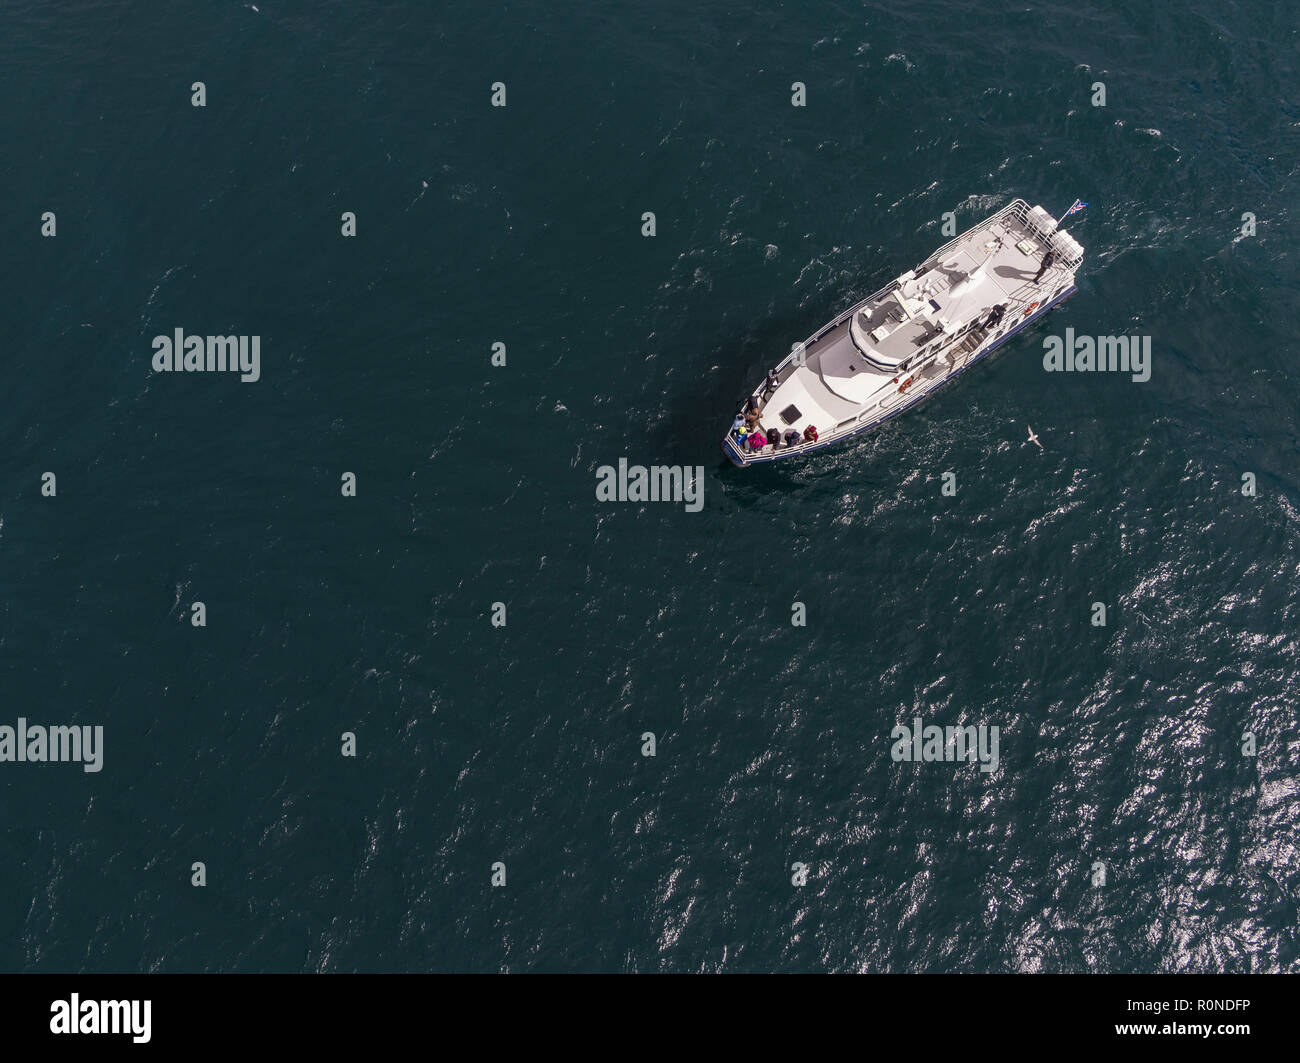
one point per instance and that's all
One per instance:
(1048, 259)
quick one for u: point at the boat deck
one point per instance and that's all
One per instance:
(965, 280)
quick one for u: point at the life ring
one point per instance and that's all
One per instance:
(1031, 308)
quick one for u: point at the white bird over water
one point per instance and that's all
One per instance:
(1033, 438)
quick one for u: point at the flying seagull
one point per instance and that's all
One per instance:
(1033, 438)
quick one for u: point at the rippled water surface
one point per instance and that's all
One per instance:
(1119, 745)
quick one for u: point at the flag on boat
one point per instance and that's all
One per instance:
(1078, 206)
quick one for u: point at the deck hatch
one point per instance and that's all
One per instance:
(790, 414)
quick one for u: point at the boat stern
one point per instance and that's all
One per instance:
(732, 449)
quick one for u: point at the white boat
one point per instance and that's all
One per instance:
(894, 348)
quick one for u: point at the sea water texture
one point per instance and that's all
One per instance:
(1127, 826)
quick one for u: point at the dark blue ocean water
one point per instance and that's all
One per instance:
(1119, 745)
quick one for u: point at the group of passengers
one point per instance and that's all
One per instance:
(752, 438)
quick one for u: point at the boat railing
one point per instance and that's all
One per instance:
(1017, 208)
(1021, 212)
